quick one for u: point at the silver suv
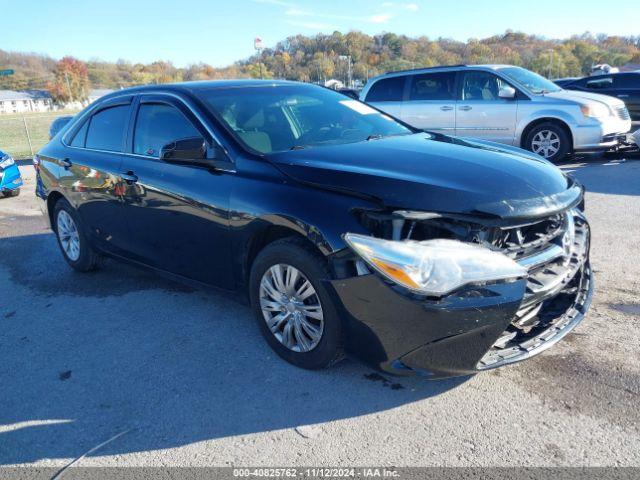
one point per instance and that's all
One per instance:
(504, 104)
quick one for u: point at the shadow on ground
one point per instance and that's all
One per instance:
(86, 357)
(616, 175)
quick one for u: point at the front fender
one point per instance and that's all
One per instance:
(261, 210)
(549, 113)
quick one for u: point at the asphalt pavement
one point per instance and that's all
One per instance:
(155, 373)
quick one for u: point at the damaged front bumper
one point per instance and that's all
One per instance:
(476, 328)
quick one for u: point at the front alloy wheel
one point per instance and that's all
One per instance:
(546, 143)
(291, 307)
(288, 287)
(549, 140)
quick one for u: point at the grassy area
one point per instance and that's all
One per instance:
(13, 134)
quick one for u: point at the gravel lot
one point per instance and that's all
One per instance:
(171, 376)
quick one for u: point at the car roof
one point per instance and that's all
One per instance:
(398, 73)
(201, 86)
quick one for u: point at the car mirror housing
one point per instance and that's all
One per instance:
(507, 92)
(192, 149)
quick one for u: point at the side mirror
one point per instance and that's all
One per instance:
(507, 92)
(192, 149)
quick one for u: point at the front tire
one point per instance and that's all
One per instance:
(294, 310)
(548, 140)
(73, 242)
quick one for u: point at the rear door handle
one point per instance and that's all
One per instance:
(66, 163)
(129, 177)
(446, 108)
(623, 96)
(465, 108)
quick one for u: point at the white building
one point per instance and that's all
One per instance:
(25, 101)
(96, 93)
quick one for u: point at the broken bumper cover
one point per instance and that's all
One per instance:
(451, 337)
(476, 328)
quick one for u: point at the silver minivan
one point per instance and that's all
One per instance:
(504, 104)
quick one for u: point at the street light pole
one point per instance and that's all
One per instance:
(348, 59)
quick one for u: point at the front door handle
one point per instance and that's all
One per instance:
(623, 96)
(465, 108)
(446, 108)
(66, 163)
(129, 177)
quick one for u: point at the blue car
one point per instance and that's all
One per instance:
(10, 181)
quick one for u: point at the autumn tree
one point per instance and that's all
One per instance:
(317, 58)
(71, 81)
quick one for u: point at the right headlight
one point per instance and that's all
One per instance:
(434, 267)
(596, 110)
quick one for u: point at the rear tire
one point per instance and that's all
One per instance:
(11, 193)
(548, 140)
(74, 245)
(290, 305)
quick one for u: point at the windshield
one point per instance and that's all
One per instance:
(279, 118)
(532, 81)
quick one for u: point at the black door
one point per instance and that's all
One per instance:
(627, 89)
(89, 176)
(177, 214)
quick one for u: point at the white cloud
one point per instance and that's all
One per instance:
(411, 7)
(296, 12)
(312, 25)
(315, 18)
(280, 3)
(379, 18)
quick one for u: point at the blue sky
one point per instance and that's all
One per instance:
(220, 32)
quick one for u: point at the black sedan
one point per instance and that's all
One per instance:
(625, 86)
(350, 231)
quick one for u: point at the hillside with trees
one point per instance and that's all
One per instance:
(320, 57)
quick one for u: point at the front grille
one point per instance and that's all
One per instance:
(554, 251)
(622, 112)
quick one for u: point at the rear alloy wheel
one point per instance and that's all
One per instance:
(549, 141)
(293, 308)
(73, 243)
(68, 235)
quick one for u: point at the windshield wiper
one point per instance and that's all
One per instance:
(298, 147)
(376, 136)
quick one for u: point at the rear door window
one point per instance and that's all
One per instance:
(433, 86)
(107, 128)
(387, 90)
(80, 136)
(158, 124)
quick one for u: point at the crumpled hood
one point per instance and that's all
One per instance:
(436, 173)
(585, 97)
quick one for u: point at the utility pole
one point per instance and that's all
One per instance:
(66, 76)
(257, 45)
